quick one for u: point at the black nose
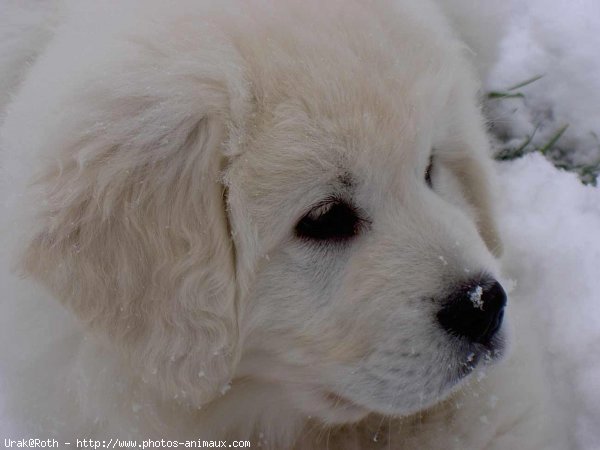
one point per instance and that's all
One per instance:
(474, 311)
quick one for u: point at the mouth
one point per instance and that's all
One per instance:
(338, 401)
(337, 409)
(463, 360)
(472, 357)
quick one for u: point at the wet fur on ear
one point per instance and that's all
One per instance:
(133, 233)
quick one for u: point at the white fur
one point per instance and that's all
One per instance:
(156, 158)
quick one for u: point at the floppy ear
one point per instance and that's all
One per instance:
(469, 158)
(133, 234)
(477, 178)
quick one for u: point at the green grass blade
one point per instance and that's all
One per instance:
(543, 150)
(525, 83)
(498, 94)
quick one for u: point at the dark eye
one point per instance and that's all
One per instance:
(334, 220)
(428, 171)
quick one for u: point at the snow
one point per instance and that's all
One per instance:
(475, 297)
(225, 388)
(551, 222)
(559, 40)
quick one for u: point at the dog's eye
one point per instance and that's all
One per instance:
(331, 221)
(428, 172)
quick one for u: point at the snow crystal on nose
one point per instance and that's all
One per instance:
(475, 297)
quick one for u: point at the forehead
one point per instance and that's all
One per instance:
(302, 147)
(356, 127)
(337, 109)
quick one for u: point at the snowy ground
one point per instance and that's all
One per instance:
(550, 221)
(559, 41)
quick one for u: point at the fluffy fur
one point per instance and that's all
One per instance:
(158, 157)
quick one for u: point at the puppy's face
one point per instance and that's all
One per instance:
(356, 222)
(305, 206)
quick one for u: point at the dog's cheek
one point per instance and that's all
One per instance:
(296, 301)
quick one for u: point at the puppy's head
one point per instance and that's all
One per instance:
(304, 206)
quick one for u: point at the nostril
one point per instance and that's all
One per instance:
(474, 311)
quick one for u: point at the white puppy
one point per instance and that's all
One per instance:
(270, 219)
